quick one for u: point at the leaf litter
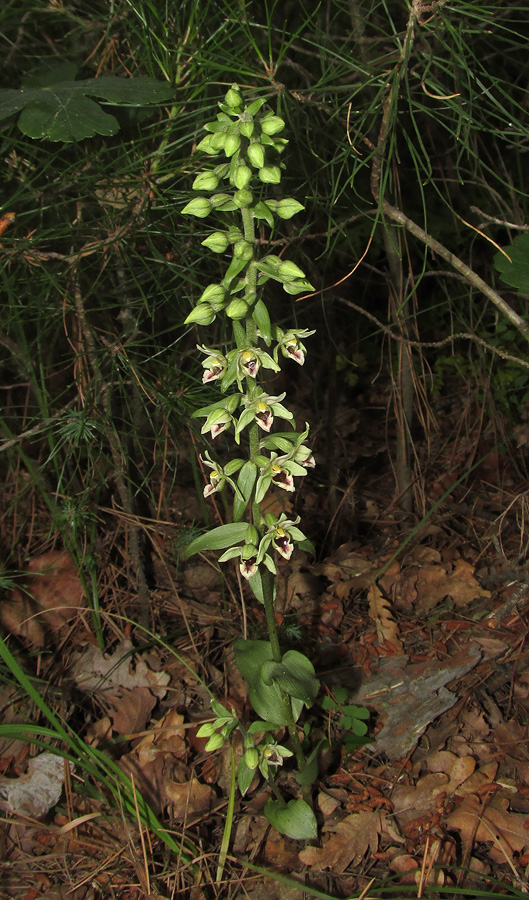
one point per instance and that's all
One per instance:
(443, 782)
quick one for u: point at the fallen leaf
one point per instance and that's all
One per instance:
(189, 798)
(352, 839)
(507, 832)
(379, 610)
(51, 597)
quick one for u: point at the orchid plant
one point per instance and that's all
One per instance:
(245, 136)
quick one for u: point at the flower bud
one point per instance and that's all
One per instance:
(270, 174)
(242, 177)
(251, 758)
(215, 742)
(243, 250)
(243, 199)
(232, 144)
(207, 729)
(289, 269)
(247, 129)
(237, 309)
(256, 155)
(288, 207)
(234, 234)
(206, 145)
(205, 181)
(202, 314)
(212, 294)
(217, 242)
(222, 202)
(233, 98)
(272, 125)
(217, 140)
(199, 207)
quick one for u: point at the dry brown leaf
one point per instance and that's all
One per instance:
(130, 710)
(413, 801)
(507, 832)
(352, 839)
(512, 739)
(51, 597)
(166, 737)
(190, 798)
(379, 610)
(93, 671)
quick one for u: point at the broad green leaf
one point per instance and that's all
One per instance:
(57, 107)
(219, 538)
(245, 483)
(295, 819)
(266, 700)
(516, 272)
(309, 772)
(294, 674)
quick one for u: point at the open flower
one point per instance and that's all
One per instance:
(262, 410)
(263, 416)
(217, 422)
(247, 558)
(288, 342)
(215, 364)
(282, 533)
(248, 361)
(217, 477)
(279, 470)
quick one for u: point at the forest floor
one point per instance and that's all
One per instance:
(434, 648)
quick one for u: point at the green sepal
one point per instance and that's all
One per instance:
(245, 483)
(261, 318)
(295, 819)
(294, 674)
(220, 537)
(221, 202)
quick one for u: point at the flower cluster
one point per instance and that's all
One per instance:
(245, 139)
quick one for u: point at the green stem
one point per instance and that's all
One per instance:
(253, 435)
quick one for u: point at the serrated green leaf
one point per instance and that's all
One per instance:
(219, 538)
(516, 271)
(295, 819)
(56, 107)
